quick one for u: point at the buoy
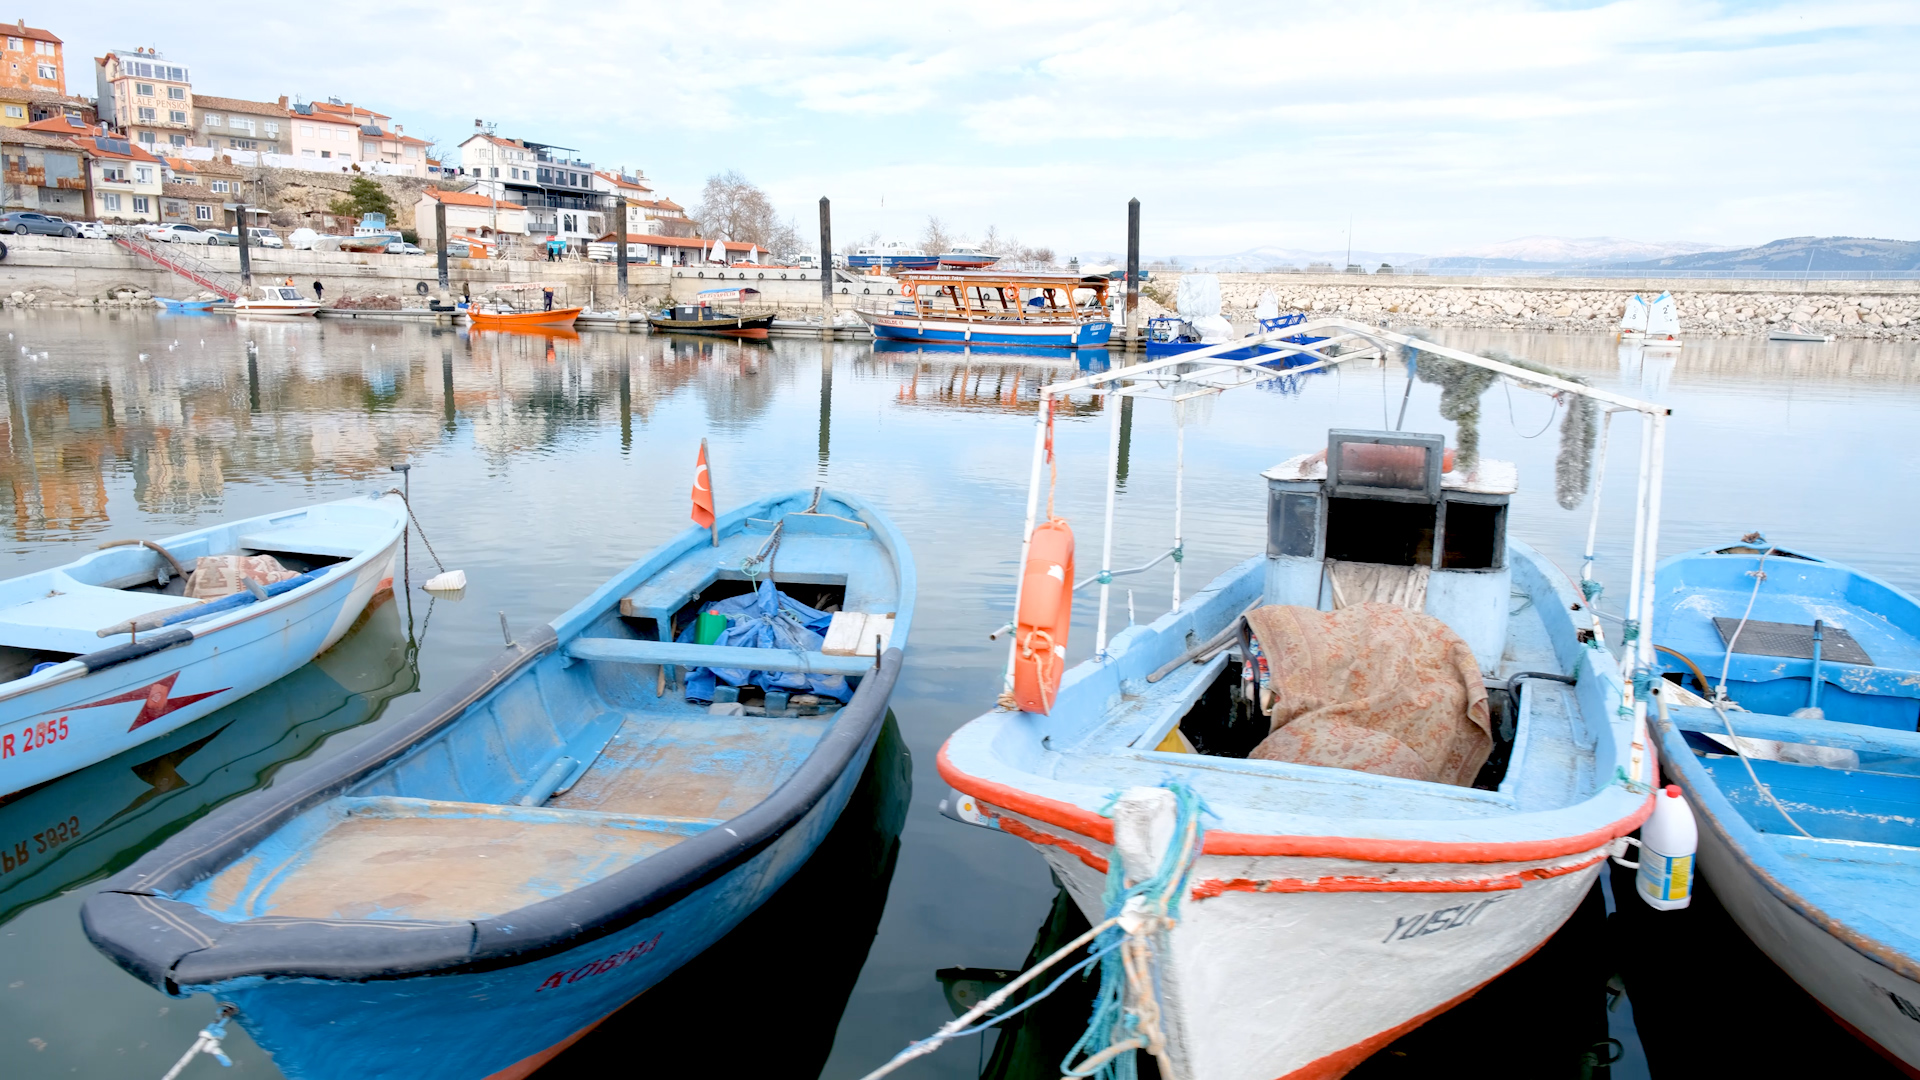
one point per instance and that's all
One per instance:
(1045, 615)
(451, 581)
(1667, 842)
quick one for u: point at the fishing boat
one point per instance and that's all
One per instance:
(891, 257)
(184, 305)
(1060, 311)
(370, 235)
(1341, 886)
(276, 301)
(1633, 321)
(1663, 324)
(1793, 331)
(128, 643)
(511, 307)
(962, 257)
(743, 319)
(1170, 335)
(1799, 757)
(548, 839)
(84, 826)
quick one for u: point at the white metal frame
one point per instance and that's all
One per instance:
(1204, 371)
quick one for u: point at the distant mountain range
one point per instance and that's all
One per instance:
(1800, 253)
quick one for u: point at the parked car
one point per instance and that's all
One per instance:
(91, 230)
(23, 222)
(178, 233)
(221, 238)
(261, 236)
(401, 247)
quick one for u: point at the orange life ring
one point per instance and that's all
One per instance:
(1045, 616)
(906, 288)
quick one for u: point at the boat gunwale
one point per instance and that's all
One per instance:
(199, 950)
(1753, 849)
(1077, 819)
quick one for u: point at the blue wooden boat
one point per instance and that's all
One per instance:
(1334, 901)
(106, 653)
(1169, 335)
(184, 305)
(82, 827)
(1820, 865)
(987, 307)
(475, 888)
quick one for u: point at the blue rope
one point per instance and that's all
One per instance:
(1111, 1022)
(1051, 987)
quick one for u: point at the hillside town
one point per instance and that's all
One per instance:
(149, 148)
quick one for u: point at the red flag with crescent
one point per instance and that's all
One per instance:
(702, 491)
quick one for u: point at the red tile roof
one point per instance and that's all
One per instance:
(63, 125)
(239, 105)
(468, 198)
(21, 29)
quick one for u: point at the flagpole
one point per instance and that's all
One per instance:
(713, 530)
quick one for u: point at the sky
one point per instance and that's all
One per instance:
(1435, 128)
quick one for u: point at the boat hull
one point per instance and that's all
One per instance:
(282, 310)
(99, 715)
(505, 1023)
(964, 332)
(892, 262)
(1877, 1004)
(747, 329)
(1302, 968)
(556, 317)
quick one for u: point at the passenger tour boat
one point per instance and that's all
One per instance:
(982, 307)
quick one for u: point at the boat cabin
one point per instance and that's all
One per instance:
(1383, 515)
(1004, 297)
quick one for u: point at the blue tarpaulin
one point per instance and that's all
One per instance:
(766, 619)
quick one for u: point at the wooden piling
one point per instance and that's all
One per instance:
(826, 270)
(246, 247)
(1133, 274)
(440, 232)
(620, 248)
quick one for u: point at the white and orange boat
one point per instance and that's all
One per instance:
(1415, 750)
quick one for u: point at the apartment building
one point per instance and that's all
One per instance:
(147, 96)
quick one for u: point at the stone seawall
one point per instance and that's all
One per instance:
(1855, 309)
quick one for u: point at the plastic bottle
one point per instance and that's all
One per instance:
(1667, 844)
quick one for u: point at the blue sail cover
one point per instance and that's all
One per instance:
(766, 619)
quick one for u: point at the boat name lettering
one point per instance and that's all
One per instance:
(46, 840)
(601, 966)
(1432, 922)
(33, 738)
(1906, 1008)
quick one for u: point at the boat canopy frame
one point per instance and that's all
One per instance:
(997, 295)
(1205, 371)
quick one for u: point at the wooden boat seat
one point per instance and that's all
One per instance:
(334, 539)
(387, 857)
(69, 619)
(1792, 729)
(688, 655)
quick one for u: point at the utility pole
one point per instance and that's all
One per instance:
(1133, 273)
(826, 269)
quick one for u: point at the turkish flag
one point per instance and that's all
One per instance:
(702, 491)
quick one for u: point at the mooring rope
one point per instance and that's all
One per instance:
(208, 1042)
(408, 503)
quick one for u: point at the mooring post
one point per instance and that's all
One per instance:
(440, 233)
(1133, 274)
(246, 249)
(620, 249)
(826, 270)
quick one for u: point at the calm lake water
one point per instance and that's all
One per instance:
(544, 464)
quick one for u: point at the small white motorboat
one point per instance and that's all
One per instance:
(1793, 331)
(276, 300)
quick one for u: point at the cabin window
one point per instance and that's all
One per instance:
(1293, 517)
(1472, 535)
(1384, 465)
(1380, 531)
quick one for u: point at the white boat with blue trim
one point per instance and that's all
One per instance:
(1414, 750)
(986, 307)
(130, 642)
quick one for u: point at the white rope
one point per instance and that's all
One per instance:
(208, 1043)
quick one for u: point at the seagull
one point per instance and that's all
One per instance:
(143, 357)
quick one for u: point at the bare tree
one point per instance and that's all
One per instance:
(732, 206)
(935, 239)
(852, 247)
(991, 243)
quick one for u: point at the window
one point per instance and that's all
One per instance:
(496, 174)
(190, 181)
(343, 134)
(44, 48)
(308, 152)
(110, 201)
(144, 89)
(203, 213)
(219, 185)
(244, 144)
(213, 120)
(48, 71)
(306, 130)
(244, 123)
(149, 114)
(14, 44)
(147, 137)
(177, 140)
(143, 174)
(178, 116)
(139, 204)
(115, 173)
(177, 93)
(326, 153)
(17, 112)
(273, 129)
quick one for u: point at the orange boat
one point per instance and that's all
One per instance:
(508, 320)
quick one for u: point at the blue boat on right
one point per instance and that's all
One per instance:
(1801, 761)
